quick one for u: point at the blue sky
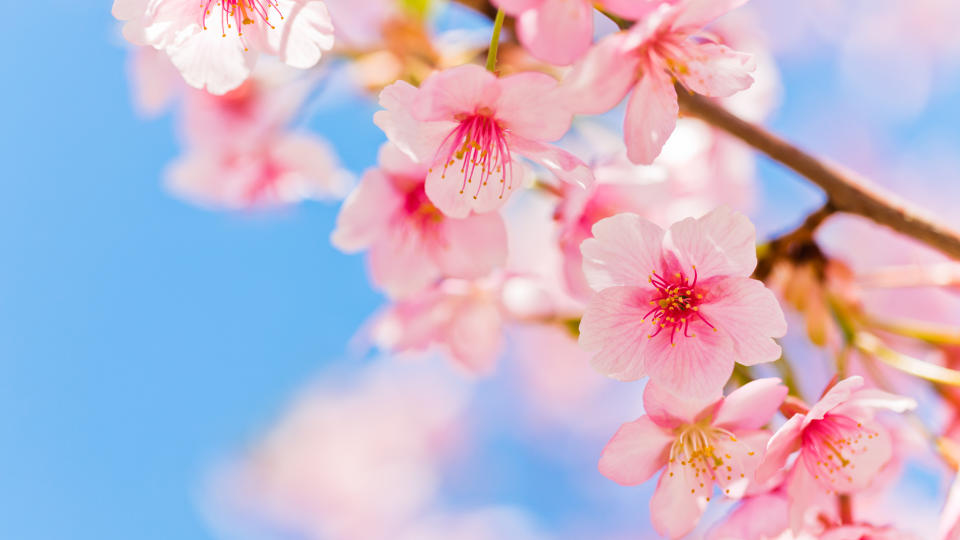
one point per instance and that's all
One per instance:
(141, 339)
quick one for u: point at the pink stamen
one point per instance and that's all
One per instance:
(675, 304)
(479, 144)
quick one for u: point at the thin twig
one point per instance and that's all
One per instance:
(846, 191)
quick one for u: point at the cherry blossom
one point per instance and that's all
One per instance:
(664, 47)
(471, 127)
(842, 447)
(560, 31)
(215, 43)
(699, 442)
(412, 244)
(677, 305)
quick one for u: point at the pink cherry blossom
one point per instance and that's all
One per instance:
(215, 44)
(464, 318)
(647, 59)
(677, 305)
(842, 447)
(560, 31)
(241, 154)
(412, 244)
(700, 442)
(471, 127)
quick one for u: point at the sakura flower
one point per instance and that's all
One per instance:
(412, 244)
(560, 31)
(842, 447)
(463, 317)
(699, 442)
(663, 47)
(215, 44)
(471, 126)
(677, 305)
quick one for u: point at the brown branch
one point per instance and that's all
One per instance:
(847, 191)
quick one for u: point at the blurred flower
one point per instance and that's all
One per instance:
(206, 40)
(700, 442)
(677, 305)
(355, 462)
(647, 58)
(412, 244)
(470, 126)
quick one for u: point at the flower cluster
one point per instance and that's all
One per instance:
(495, 207)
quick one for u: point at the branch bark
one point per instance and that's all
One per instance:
(846, 191)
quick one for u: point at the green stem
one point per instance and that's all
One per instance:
(495, 42)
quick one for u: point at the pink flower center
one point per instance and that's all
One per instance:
(238, 12)
(697, 447)
(831, 447)
(675, 304)
(417, 206)
(478, 151)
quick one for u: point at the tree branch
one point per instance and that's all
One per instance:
(846, 191)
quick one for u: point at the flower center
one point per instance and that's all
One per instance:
(419, 208)
(476, 152)
(238, 12)
(831, 447)
(697, 447)
(675, 304)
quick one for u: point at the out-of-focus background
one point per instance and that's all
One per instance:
(145, 342)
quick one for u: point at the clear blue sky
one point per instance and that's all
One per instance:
(141, 339)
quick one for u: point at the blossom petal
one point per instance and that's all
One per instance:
(613, 327)
(475, 336)
(212, 62)
(752, 405)
(716, 70)
(721, 243)
(670, 410)
(631, 9)
(853, 455)
(625, 250)
(301, 37)
(679, 501)
(399, 263)
(784, 442)
(838, 394)
(738, 459)
(602, 78)
(471, 248)
(689, 366)
(747, 311)
(651, 116)
(459, 90)
(696, 14)
(636, 452)
(365, 213)
(557, 31)
(456, 191)
(419, 140)
(529, 105)
(564, 165)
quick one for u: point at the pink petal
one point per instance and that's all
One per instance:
(670, 410)
(949, 528)
(752, 405)
(557, 31)
(840, 393)
(515, 7)
(807, 498)
(301, 37)
(212, 62)
(475, 336)
(365, 213)
(696, 14)
(612, 327)
(564, 165)
(679, 501)
(749, 313)
(602, 78)
(783, 443)
(690, 366)
(738, 460)
(530, 106)
(399, 262)
(636, 452)
(472, 247)
(462, 89)
(625, 250)
(874, 398)
(651, 116)
(762, 516)
(721, 243)
(419, 140)
(631, 9)
(716, 70)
